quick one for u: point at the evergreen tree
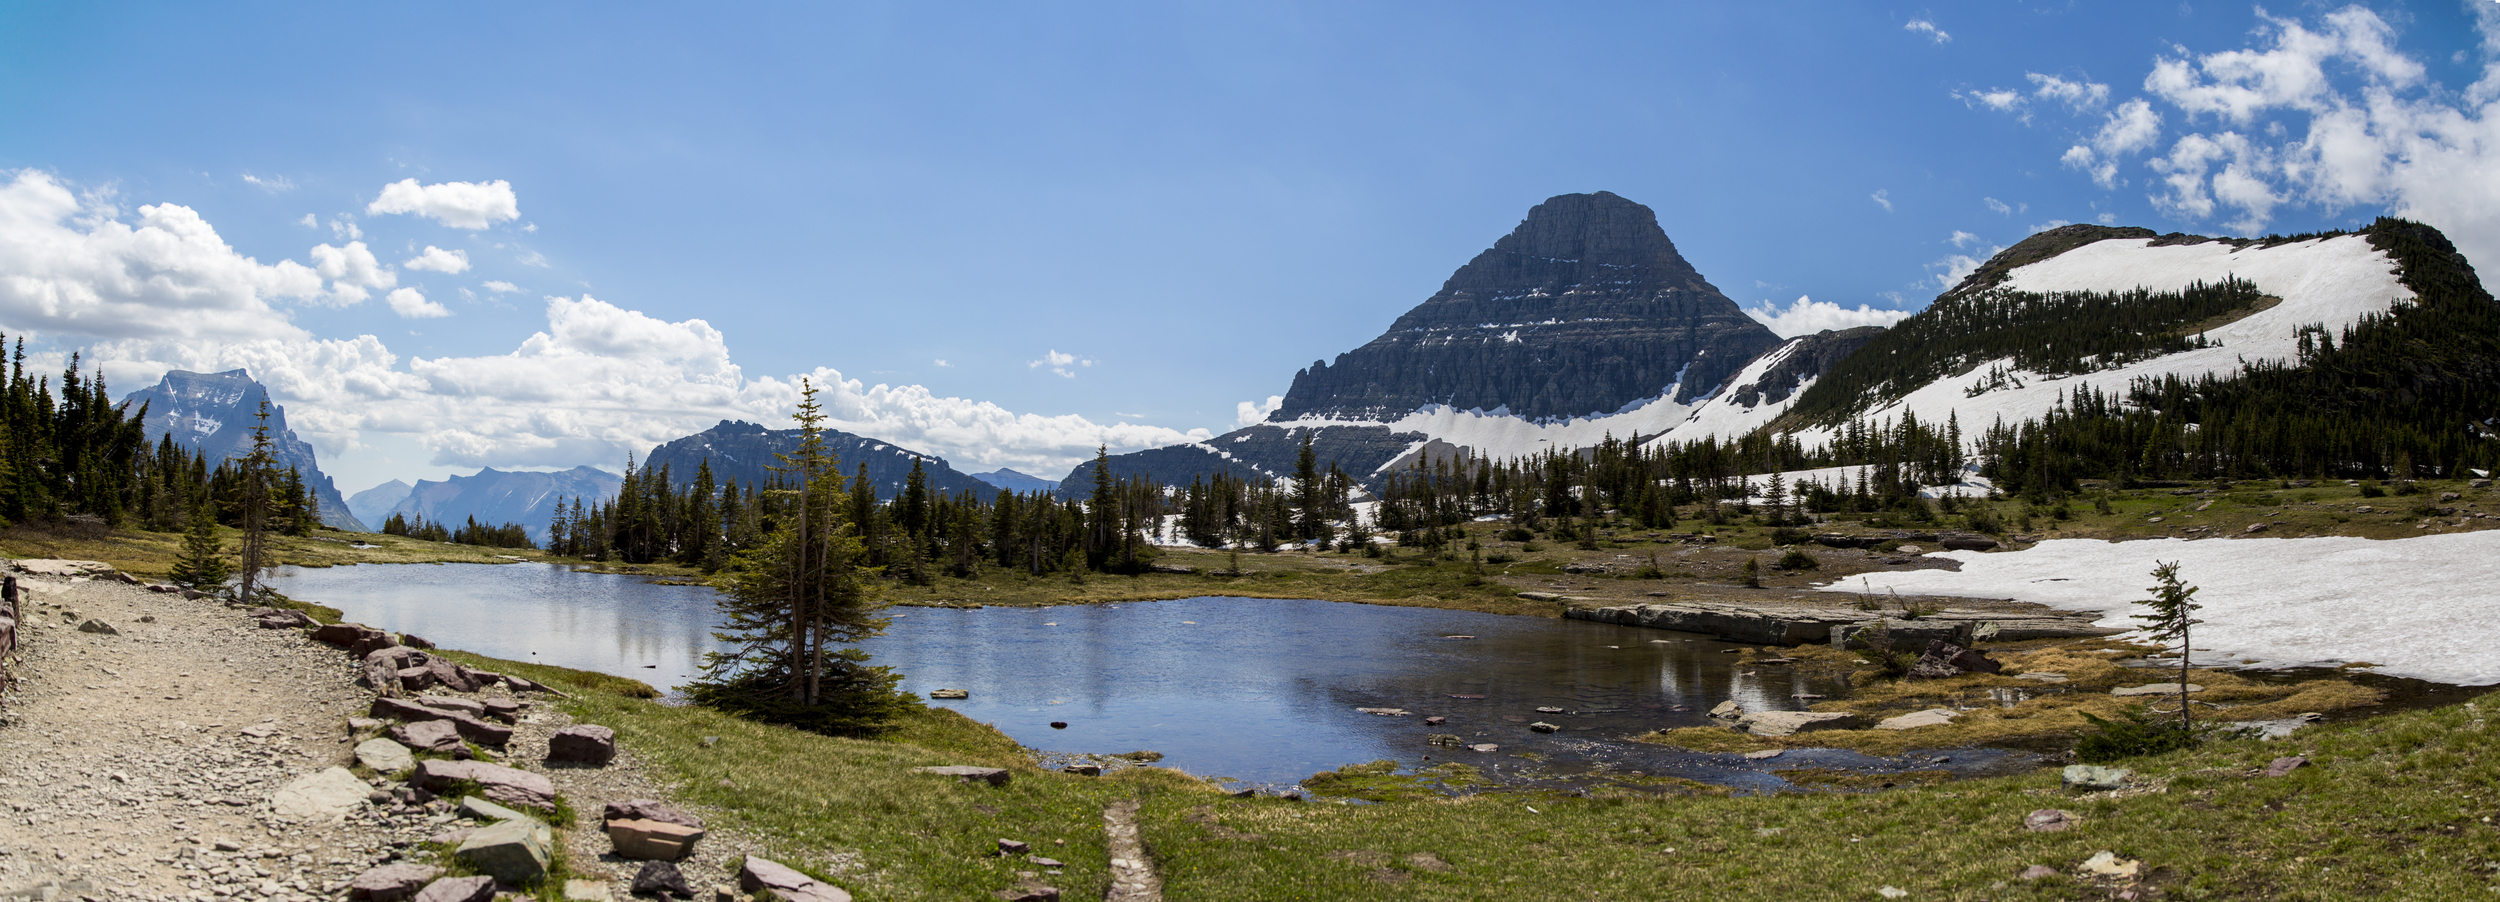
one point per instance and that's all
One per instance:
(202, 564)
(790, 604)
(2174, 610)
(255, 475)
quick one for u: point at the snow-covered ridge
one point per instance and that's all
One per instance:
(2328, 281)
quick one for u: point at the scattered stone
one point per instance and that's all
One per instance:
(2042, 676)
(98, 627)
(2049, 820)
(324, 796)
(1014, 847)
(1083, 770)
(950, 693)
(468, 706)
(1543, 727)
(1484, 747)
(1549, 709)
(1384, 712)
(481, 809)
(2107, 864)
(384, 756)
(2095, 778)
(786, 883)
(392, 883)
(1790, 723)
(1435, 721)
(459, 889)
(2283, 767)
(1764, 754)
(648, 840)
(503, 709)
(2254, 528)
(499, 783)
(471, 728)
(660, 878)
(2154, 689)
(1932, 717)
(2270, 730)
(2038, 871)
(1945, 660)
(585, 743)
(1728, 710)
(578, 890)
(969, 774)
(1041, 862)
(437, 736)
(516, 851)
(1450, 740)
(1892, 892)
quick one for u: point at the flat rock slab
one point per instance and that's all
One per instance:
(2154, 689)
(1790, 723)
(61, 567)
(2050, 820)
(459, 889)
(1932, 717)
(990, 775)
(649, 810)
(392, 883)
(470, 728)
(2283, 767)
(324, 796)
(641, 840)
(785, 883)
(512, 851)
(509, 786)
(384, 756)
(481, 809)
(439, 736)
(583, 744)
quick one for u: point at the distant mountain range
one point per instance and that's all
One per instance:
(496, 497)
(213, 414)
(1016, 482)
(745, 452)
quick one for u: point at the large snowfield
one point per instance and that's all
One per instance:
(2422, 607)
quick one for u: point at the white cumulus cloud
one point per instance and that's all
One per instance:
(500, 286)
(352, 271)
(440, 260)
(1807, 316)
(460, 205)
(1063, 364)
(1928, 28)
(73, 268)
(1252, 413)
(410, 303)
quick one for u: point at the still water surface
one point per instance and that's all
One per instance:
(1259, 690)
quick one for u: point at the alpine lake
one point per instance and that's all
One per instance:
(1252, 692)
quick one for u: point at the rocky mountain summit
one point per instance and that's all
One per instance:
(499, 496)
(745, 452)
(1583, 310)
(212, 413)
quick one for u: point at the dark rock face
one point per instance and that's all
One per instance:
(1261, 451)
(496, 497)
(741, 450)
(1807, 357)
(1584, 309)
(213, 414)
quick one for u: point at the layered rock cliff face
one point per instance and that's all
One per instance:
(1584, 309)
(213, 413)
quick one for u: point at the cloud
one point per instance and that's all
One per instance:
(530, 258)
(440, 260)
(2129, 129)
(500, 286)
(345, 227)
(1925, 27)
(309, 221)
(2000, 100)
(411, 304)
(942, 362)
(1807, 316)
(1252, 413)
(72, 268)
(1951, 270)
(1997, 206)
(2078, 95)
(273, 184)
(1884, 197)
(1059, 363)
(352, 271)
(164, 292)
(1962, 239)
(460, 205)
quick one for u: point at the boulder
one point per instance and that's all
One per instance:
(990, 775)
(2094, 778)
(98, 627)
(384, 756)
(1014, 847)
(1790, 723)
(1728, 710)
(785, 883)
(503, 709)
(649, 810)
(481, 809)
(497, 782)
(459, 889)
(660, 878)
(327, 795)
(392, 883)
(468, 706)
(516, 851)
(1543, 727)
(471, 728)
(2049, 820)
(584, 743)
(357, 638)
(437, 736)
(1932, 717)
(643, 840)
(2283, 767)
(412, 640)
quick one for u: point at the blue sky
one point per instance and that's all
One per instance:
(1005, 234)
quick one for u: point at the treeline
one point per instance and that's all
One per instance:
(508, 535)
(67, 450)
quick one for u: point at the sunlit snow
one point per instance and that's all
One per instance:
(2419, 607)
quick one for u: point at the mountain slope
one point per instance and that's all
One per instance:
(374, 504)
(1014, 481)
(745, 451)
(496, 497)
(213, 414)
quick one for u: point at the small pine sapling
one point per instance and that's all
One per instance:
(1753, 573)
(2174, 610)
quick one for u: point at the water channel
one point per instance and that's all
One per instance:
(1260, 691)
